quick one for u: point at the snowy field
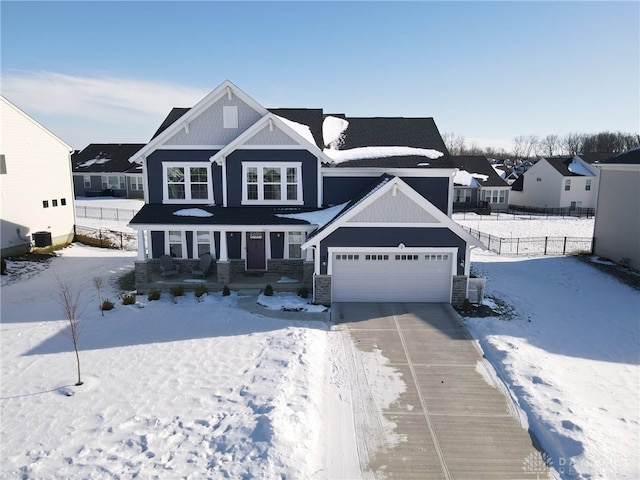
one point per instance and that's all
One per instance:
(171, 390)
(570, 356)
(525, 226)
(208, 389)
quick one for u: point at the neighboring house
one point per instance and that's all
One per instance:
(356, 209)
(558, 182)
(477, 184)
(617, 227)
(35, 178)
(103, 169)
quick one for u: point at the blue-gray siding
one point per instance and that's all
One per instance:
(392, 237)
(337, 190)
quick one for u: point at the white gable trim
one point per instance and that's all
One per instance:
(268, 120)
(395, 183)
(225, 88)
(37, 124)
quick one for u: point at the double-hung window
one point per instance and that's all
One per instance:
(204, 242)
(272, 183)
(176, 247)
(187, 183)
(294, 241)
(113, 182)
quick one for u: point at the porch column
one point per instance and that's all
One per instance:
(224, 253)
(142, 248)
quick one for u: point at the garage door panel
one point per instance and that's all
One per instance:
(391, 277)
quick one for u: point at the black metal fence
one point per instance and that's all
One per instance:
(534, 245)
(105, 213)
(106, 238)
(515, 213)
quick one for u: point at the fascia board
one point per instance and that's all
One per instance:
(259, 125)
(444, 220)
(194, 112)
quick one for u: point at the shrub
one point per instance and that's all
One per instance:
(154, 294)
(225, 291)
(466, 305)
(129, 299)
(200, 290)
(268, 290)
(176, 291)
(106, 305)
(303, 292)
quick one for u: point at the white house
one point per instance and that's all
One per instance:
(569, 183)
(37, 204)
(617, 228)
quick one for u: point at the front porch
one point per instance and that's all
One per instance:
(282, 275)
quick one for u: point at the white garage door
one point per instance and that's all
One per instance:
(391, 277)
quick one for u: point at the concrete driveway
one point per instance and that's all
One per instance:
(457, 420)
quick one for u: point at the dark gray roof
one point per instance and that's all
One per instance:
(311, 117)
(632, 157)
(479, 164)
(405, 161)
(377, 183)
(561, 164)
(595, 157)
(106, 158)
(174, 114)
(159, 214)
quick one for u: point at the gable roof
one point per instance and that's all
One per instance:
(563, 166)
(311, 117)
(479, 164)
(282, 124)
(106, 157)
(379, 187)
(174, 114)
(225, 88)
(34, 122)
(594, 157)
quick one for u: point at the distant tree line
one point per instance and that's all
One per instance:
(531, 146)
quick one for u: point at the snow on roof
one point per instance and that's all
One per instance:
(577, 167)
(332, 130)
(462, 177)
(501, 173)
(94, 161)
(192, 212)
(360, 153)
(319, 217)
(299, 128)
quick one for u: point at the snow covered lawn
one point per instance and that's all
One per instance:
(171, 390)
(570, 357)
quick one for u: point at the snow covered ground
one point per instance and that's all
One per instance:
(192, 389)
(570, 356)
(182, 389)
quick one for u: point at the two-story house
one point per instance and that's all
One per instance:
(357, 209)
(103, 169)
(558, 182)
(478, 184)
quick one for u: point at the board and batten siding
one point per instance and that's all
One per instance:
(38, 169)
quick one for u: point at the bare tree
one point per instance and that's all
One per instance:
(69, 300)
(572, 143)
(550, 145)
(454, 143)
(97, 282)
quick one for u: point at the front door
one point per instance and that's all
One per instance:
(256, 259)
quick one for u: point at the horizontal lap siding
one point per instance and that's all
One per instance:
(337, 190)
(392, 237)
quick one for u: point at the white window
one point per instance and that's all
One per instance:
(493, 196)
(230, 117)
(86, 179)
(136, 183)
(204, 243)
(376, 257)
(587, 185)
(567, 185)
(187, 183)
(294, 241)
(113, 182)
(347, 257)
(272, 183)
(175, 244)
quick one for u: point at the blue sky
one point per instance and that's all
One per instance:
(110, 71)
